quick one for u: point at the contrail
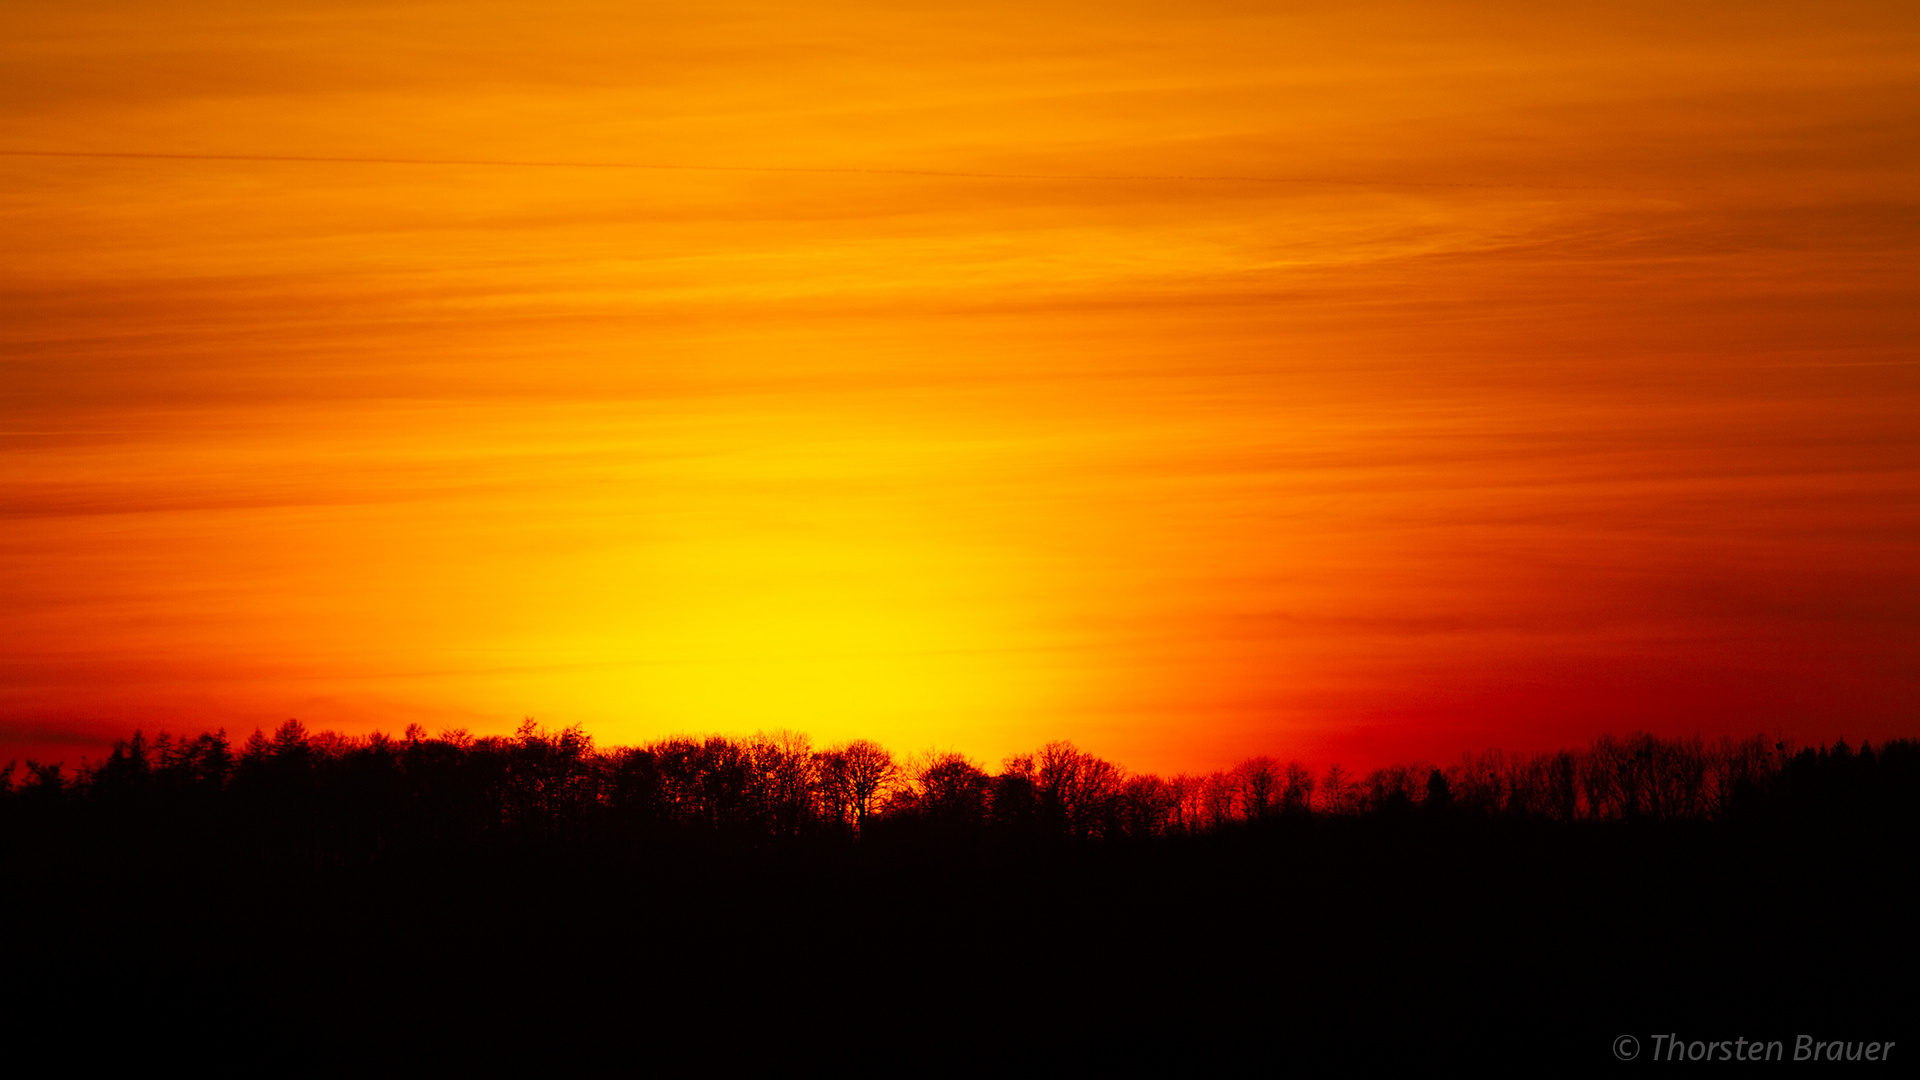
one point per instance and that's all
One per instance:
(833, 170)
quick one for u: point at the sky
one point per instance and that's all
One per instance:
(1354, 382)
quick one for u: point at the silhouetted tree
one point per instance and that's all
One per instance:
(1296, 792)
(1391, 789)
(1015, 805)
(551, 779)
(1146, 806)
(1260, 784)
(45, 783)
(1336, 791)
(291, 745)
(858, 773)
(1562, 778)
(1186, 811)
(1220, 798)
(951, 790)
(725, 774)
(787, 773)
(1076, 790)
(1439, 793)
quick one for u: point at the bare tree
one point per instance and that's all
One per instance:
(1481, 782)
(1077, 790)
(1739, 769)
(1259, 779)
(1185, 810)
(1563, 785)
(858, 774)
(1296, 794)
(1391, 789)
(1219, 795)
(787, 775)
(1148, 806)
(551, 777)
(950, 788)
(1336, 792)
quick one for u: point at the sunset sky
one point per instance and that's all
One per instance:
(1357, 382)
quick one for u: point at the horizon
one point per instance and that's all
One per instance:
(1778, 746)
(778, 785)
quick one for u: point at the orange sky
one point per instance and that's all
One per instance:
(1353, 382)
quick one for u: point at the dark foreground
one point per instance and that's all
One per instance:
(1328, 941)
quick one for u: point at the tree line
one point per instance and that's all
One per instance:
(324, 790)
